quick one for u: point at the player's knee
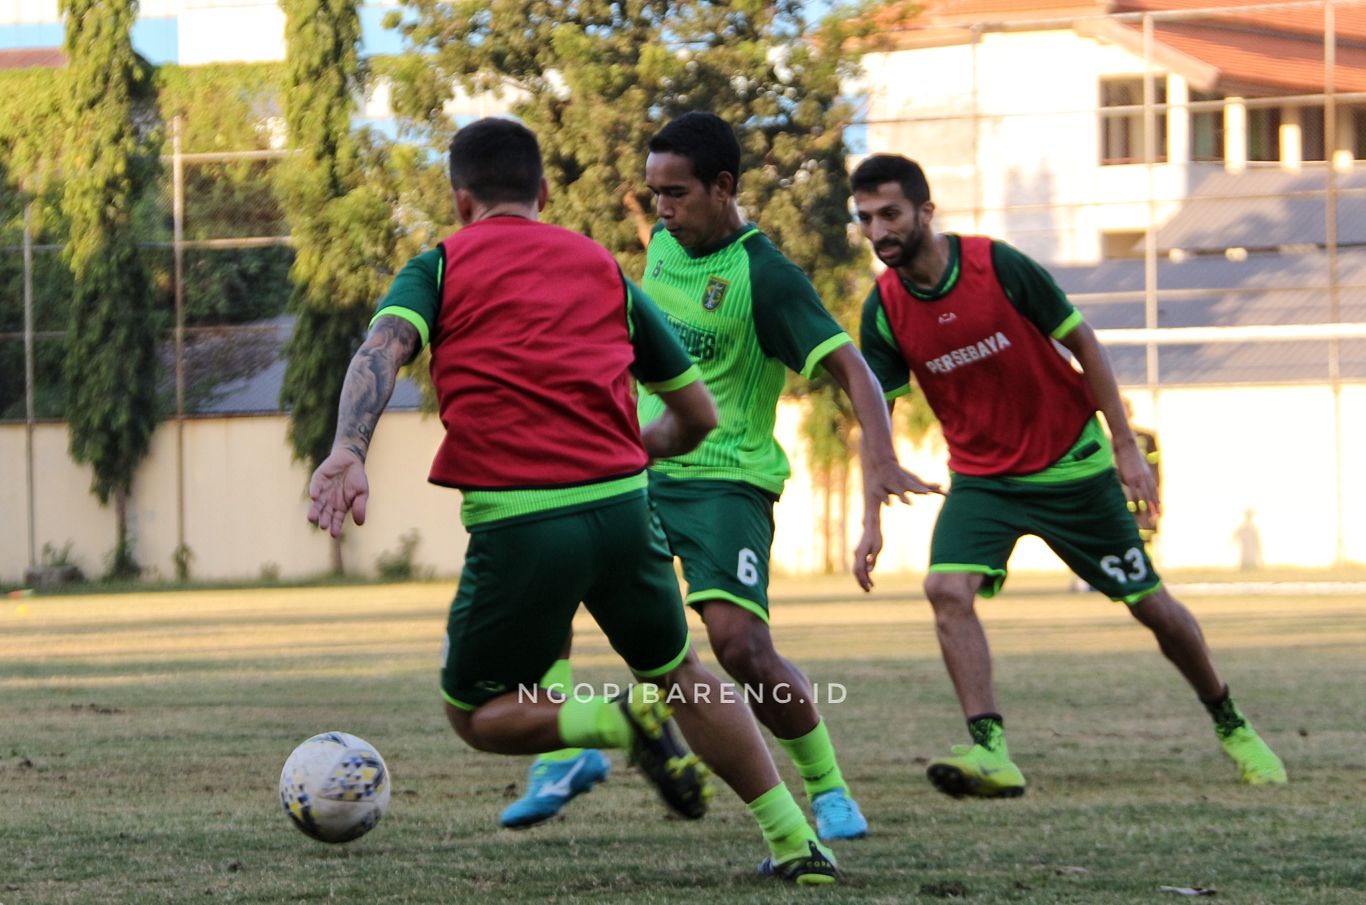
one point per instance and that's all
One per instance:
(1160, 611)
(746, 655)
(950, 593)
(462, 721)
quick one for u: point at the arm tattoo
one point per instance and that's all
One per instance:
(370, 381)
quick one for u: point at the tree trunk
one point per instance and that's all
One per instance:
(827, 519)
(337, 568)
(121, 552)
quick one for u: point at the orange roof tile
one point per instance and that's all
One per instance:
(1257, 51)
(27, 57)
(1266, 61)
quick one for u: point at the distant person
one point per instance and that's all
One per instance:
(537, 342)
(1249, 541)
(975, 322)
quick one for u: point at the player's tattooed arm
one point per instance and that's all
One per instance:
(370, 382)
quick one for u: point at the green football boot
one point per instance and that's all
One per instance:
(1257, 764)
(974, 771)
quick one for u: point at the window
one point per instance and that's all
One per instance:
(1122, 244)
(1312, 134)
(1207, 129)
(1264, 133)
(1121, 130)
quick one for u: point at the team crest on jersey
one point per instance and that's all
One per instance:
(715, 292)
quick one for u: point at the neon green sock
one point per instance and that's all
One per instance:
(815, 759)
(783, 823)
(559, 678)
(593, 723)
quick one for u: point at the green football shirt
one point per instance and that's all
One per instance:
(745, 314)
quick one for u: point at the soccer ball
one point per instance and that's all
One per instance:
(335, 787)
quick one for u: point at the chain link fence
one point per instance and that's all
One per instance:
(214, 238)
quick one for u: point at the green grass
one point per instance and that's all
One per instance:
(141, 737)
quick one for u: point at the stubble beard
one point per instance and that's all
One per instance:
(904, 249)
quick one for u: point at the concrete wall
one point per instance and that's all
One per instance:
(1272, 450)
(245, 502)
(1028, 167)
(1268, 449)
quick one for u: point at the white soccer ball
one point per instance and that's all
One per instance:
(335, 787)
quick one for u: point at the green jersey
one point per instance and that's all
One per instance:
(745, 314)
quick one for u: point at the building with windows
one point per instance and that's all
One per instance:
(1032, 117)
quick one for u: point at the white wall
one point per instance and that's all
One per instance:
(1224, 450)
(27, 12)
(244, 500)
(214, 31)
(1037, 139)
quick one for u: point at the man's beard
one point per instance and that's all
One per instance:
(900, 252)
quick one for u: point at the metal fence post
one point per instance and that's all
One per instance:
(28, 385)
(178, 245)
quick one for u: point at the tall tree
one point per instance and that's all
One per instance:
(596, 78)
(339, 215)
(111, 362)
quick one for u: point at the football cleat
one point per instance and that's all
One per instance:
(838, 816)
(815, 868)
(1257, 764)
(553, 784)
(678, 774)
(973, 771)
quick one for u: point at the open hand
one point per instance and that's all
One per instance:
(338, 486)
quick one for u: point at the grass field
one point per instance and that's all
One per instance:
(141, 737)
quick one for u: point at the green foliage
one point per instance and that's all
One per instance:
(31, 143)
(231, 107)
(35, 139)
(111, 361)
(54, 558)
(597, 78)
(228, 107)
(338, 193)
(224, 106)
(181, 558)
(398, 565)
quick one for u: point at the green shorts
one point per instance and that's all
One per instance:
(522, 583)
(1086, 522)
(722, 531)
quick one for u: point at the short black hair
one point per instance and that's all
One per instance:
(706, 140)
(880, 169)
(496, 160)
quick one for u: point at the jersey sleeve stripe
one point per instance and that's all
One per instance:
(1073, 321)
(814, 359)
(692, 375)
(897, 392)
(409, 315)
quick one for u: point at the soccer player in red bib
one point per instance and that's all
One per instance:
(975, 322)
(537, 341)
